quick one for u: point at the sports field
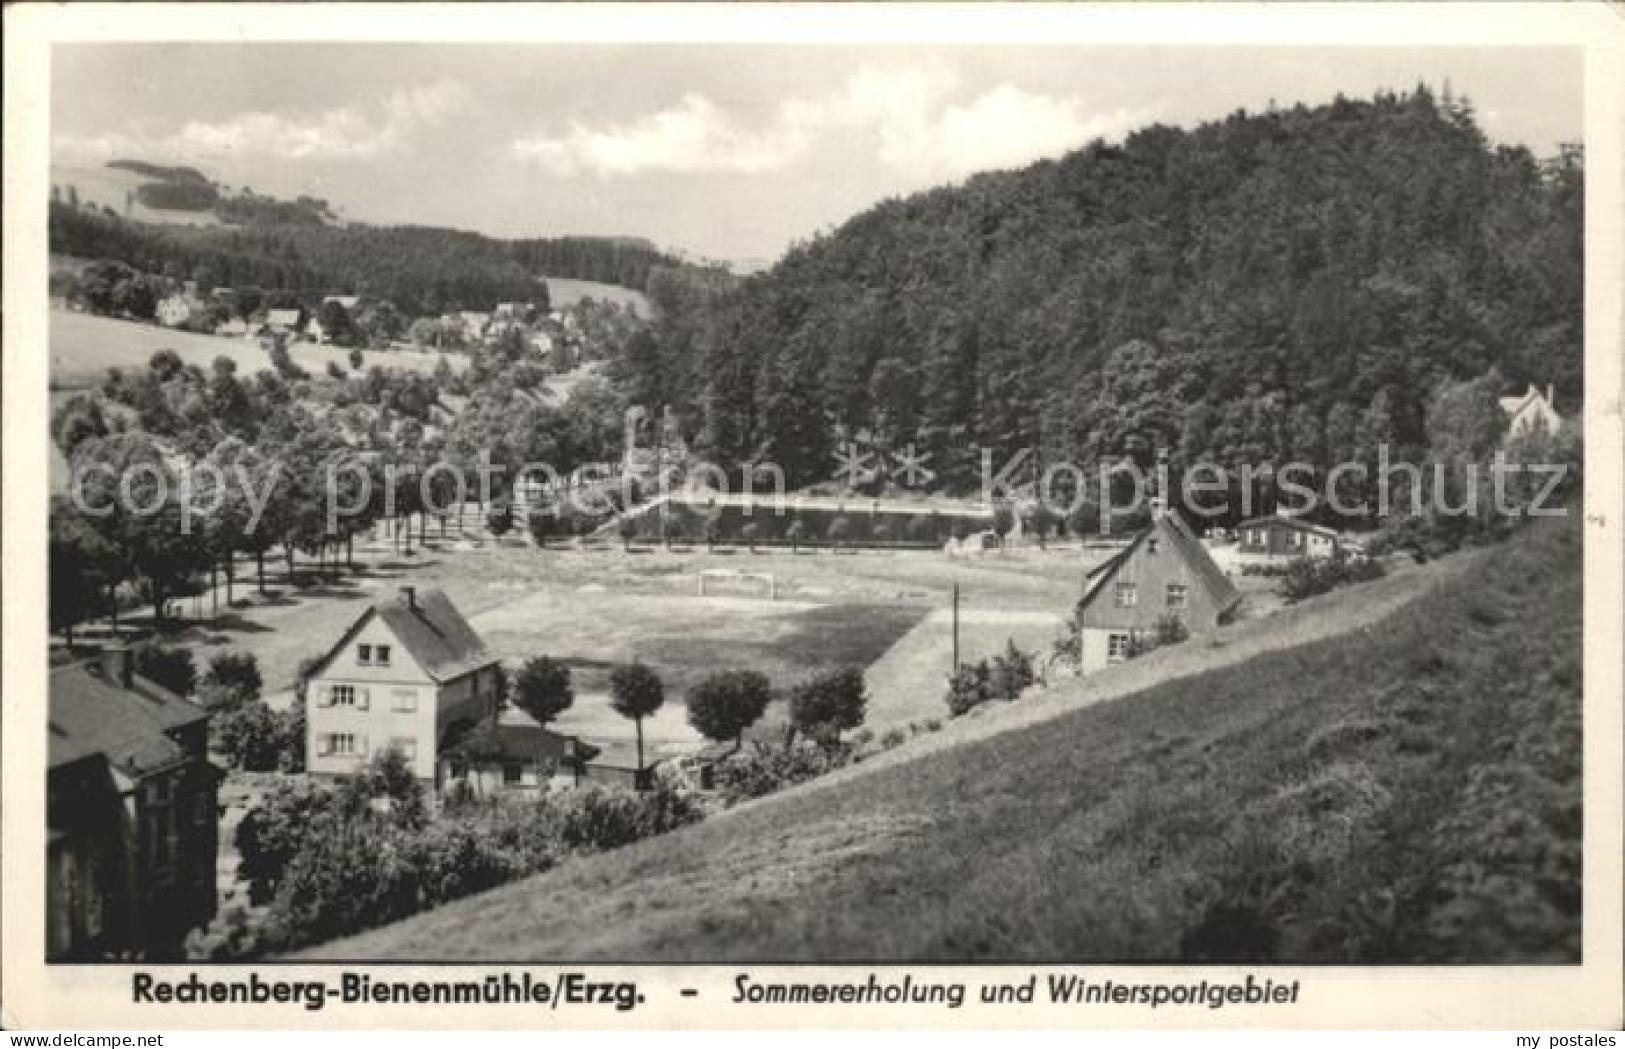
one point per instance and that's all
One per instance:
(597, 606)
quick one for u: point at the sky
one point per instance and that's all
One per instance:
(729, 151)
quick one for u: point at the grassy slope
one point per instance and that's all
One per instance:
(1408, 792)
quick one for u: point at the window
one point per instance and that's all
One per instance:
(382, 655)
(1127, 595)
(512, 772)
(406, 746)
(347, 696)
(404, 700)
(341, 744)
(1116, 647)
(1177, 593)
(363, 655)
(1151, 545)
(1294, 538)
(202, 808)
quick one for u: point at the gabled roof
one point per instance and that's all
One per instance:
(1288, 522)
(1172, 529)
(1518, 402)
(510, 735)
(431, 630)
(130, 727)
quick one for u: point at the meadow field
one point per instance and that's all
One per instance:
(84, 346)
(567, 291)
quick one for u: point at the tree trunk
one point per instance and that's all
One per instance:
(112, 605)
(231, 572)
(214, 588)
(639, 723)
(287, 548)
(259, 564)
(349, 550)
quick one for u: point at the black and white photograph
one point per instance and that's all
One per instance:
(835, 503)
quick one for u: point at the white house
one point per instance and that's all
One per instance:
(409, 674)
(1530, 411)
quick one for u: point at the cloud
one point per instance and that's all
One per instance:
(905, 115)
(692, 136)
(351, 131)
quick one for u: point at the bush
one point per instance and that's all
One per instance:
(761, 770)
(1004, 678)
(970, 687)
(596, 819)
(253, 737)
(1307, 576)
(233, 678)
(272, 833)
(1170, 630)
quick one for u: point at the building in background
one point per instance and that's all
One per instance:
(131, 802)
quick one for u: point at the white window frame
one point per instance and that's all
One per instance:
(406, 746)
(1183, 592)
(356, 745)
(1117, 646)
(404, 700)
(363, 655)
(1125, 594)
(381, 654)
(341, 695)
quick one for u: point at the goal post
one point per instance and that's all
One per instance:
(710, 580)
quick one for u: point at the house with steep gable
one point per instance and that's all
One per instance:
(1531, 411)
(411, 675)
(1165, 571)
(407, 669)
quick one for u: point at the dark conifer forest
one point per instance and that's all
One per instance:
(1287, 285)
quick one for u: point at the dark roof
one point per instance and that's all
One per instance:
(1183, 541)
(511, 735)
(90, 715)
(1288, 522)
(431, 630)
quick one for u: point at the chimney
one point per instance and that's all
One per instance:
(410, 593)
(118, 665)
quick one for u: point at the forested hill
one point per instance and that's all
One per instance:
(1285, 284)
(422, 269)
